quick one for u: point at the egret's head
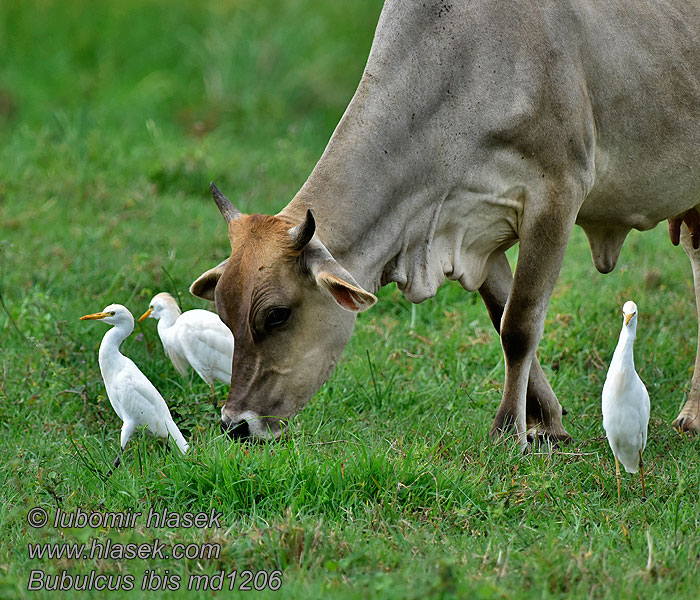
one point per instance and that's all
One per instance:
(114, 314)
(160, 305)
(629, 311)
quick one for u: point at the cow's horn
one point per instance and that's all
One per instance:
(226, 207)
(302, 233)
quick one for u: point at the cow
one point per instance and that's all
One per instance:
(476, 125)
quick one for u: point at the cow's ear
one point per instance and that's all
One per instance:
(334, 279)
(348, 295)
(205, 284)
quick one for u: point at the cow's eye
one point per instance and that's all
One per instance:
(277, 317)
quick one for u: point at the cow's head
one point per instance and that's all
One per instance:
(291, 308)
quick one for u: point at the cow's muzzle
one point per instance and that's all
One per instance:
(248, 425)
(238, 431)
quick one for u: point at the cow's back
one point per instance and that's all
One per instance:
(611, 87)
(468, 106)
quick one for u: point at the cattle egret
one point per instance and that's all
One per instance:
(196, 338)
(626, 403)
(133, 397)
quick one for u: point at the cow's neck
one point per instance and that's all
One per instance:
(382, 230)
(358, 217)
(390, 199)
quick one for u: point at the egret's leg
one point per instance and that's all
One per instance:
(641, 472)
(115, 464)
(213, 396)
(127, 430)
(618, 477)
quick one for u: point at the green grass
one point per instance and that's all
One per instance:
(113, 118)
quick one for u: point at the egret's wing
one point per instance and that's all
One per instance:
(645, 411)
(113, 393)
(179, 362)
(141, 402)
(176, 434)
(206, 343)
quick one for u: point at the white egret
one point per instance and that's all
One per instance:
(626, 403)
(196, 338)
(134, 398)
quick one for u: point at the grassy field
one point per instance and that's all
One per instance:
(113, 119)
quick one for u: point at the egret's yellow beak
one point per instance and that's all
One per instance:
(628, 317)
(145, 315)
(95, 316)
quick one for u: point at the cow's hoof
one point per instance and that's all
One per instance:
(554, 434)
(507, 434)
(689, 417)
(689, 423)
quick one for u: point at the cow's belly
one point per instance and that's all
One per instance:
(638, 191)
(635, 191)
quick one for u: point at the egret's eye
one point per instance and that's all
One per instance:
(112, 313)
(277, 317)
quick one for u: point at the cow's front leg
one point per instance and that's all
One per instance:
(689, 417)
(544, 235)
(543, 411)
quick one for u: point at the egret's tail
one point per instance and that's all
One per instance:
(177, 436)
(629, 461)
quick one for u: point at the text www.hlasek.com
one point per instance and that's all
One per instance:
(108, 550)
(149, 579)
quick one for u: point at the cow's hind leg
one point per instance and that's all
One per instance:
(689, 417)
(543, 411)
(544, 234)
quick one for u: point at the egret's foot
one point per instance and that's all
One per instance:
(689, 417)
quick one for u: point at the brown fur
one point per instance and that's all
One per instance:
(276, 370)
(262, 238)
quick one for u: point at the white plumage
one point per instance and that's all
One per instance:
(196, 338)
(626, 402)
(134, 398)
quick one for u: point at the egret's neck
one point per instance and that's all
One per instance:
(109, 355)
(167, 318)
(624, 353)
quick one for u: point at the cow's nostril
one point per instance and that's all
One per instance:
(237, 431)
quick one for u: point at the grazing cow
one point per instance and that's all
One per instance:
(476, 125)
